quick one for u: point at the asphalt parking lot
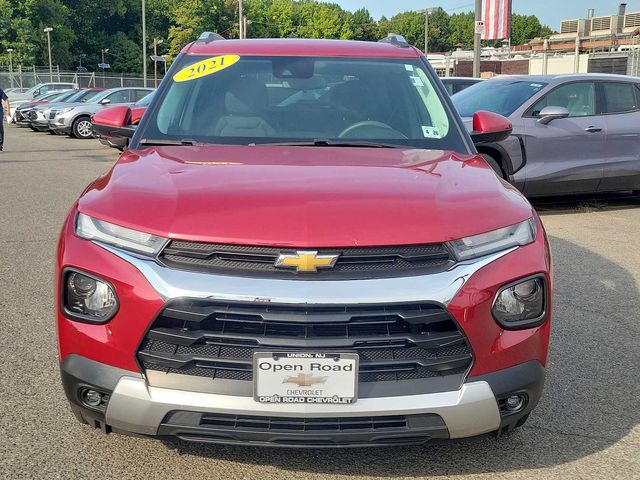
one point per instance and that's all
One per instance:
(587, 425)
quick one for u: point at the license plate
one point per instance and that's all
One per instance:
(318, 378)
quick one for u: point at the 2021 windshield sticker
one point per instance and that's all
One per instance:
(205, 67)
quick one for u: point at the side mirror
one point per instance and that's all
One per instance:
(136, 114)
(113, 122)
(36, 94)
(548, 114)
(490, 127)
(105, 101)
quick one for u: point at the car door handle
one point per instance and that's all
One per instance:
(593, 129)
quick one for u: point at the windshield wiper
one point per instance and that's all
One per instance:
(165, 141)
(319, 142)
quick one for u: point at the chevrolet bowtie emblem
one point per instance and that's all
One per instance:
(306, 261)
(305, 380)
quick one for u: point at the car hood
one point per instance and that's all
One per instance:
(304, 196)
(47, 106)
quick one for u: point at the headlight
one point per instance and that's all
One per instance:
(133, 240)
(502, 239)
(88, 298)
(522, 304)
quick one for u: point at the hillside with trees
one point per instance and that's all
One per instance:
(83, 28)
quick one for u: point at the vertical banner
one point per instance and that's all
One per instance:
(497, 19)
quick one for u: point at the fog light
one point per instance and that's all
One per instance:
(515, 403)
(522, 304)
(91, 398)
(89, 298)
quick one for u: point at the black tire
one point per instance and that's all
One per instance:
(82, 128)
(33, 128)
(636, 193)
(493, 163)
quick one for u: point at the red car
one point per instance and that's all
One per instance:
(301, 247)
(116, 139)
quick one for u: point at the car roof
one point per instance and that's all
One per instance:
(568, 77)
(300, 47)
(462, 79)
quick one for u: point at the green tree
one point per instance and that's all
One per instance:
(526, 27)
(363, 26)
(461, 29)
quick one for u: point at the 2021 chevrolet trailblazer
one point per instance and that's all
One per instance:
(301, 247)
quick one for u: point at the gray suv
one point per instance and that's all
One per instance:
(571, 133)
(75, 119)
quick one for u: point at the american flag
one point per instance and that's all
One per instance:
(497, 19)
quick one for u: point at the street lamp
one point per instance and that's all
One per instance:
(156, 42)
(48, 31)
(10, 51)
(104, 65)
(426, 12)
(144, 43)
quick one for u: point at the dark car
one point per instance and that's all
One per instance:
(571, 133)
(457, 84)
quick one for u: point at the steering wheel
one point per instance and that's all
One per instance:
(373, 129)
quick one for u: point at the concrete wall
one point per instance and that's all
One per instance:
(558, 65)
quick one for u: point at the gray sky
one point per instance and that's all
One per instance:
(550, 12)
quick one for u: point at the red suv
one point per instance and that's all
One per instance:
(302, 247)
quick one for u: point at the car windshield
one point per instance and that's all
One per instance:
(230, 99)
(145, 101)
(52, 97)
(83, 96)
(63, 97)
(497, 96)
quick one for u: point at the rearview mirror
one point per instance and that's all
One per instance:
(490, 127)
(114, 122)
(548, 114)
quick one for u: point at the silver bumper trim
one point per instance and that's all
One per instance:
(438, 287)
(139, 408)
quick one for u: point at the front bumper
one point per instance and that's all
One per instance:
(105, 356)
(59, 124)
(136, 407)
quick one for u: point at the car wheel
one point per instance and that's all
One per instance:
(493, 164)
(636, 193)
(82, 128)
(33, 128)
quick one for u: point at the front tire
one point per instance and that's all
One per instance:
(493, 163)
(82, 128)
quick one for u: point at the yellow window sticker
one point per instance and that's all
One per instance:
(205, 67)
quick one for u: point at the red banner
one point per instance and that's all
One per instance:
(497, 19)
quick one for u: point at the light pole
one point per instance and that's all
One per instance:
(103, 65)
(477, 40)
(241, 19)
(10, 51)
(156, 42)
(48, 31)
(426, 12)
(144, 43)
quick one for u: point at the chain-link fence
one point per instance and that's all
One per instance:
(26, 77)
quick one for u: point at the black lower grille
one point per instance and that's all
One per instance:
(218, 339)
(293, 431)
(351, 263)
